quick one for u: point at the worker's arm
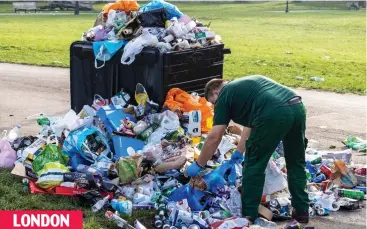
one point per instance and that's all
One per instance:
(241, 147)
(211, 143)
(237, 155)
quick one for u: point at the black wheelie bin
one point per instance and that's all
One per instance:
(158, 72)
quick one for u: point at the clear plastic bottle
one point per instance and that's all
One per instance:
(100, 204)
(266, 223)
(14, 134)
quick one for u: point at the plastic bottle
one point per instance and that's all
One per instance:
(353, 194)
(316, 161)
(100, 204)
(265, 223)
(14, 134)
(317, 79)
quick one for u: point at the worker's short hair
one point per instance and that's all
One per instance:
(212, 85)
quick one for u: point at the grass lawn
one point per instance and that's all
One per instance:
(329, 44)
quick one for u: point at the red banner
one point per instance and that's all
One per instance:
(41, 219)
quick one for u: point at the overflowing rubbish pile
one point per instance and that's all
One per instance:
(122, 154)
(157, 24)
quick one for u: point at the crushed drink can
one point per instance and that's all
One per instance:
(320, 178)
(325, 170)
(360, 188)
(194, 226)
(158, 223)
(166, 226)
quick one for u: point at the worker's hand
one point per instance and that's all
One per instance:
(237, 157)
(193, 169)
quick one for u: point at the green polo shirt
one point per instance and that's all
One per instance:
(246, 99)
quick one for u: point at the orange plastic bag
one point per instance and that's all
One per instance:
(178, 99)
(123, 5)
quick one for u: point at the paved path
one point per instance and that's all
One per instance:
(26, 90)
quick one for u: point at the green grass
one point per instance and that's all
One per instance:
(12, 197)
(328, 44)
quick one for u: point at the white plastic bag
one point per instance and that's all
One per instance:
(169, 123)
(274, 179)
(135, 46)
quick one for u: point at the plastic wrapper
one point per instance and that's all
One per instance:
(129, 168)
(225, 145)
(140, 127)
(164, 47)
(233, 223)
(234, 203)
(345, 155)
(342, 175)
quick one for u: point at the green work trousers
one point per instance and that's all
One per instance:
(287, 123)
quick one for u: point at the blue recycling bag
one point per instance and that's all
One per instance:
(171, 10)
(74, 142)
(105, 50)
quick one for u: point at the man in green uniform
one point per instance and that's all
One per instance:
(269, 113)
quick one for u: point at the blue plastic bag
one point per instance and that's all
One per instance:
(215, 181)
(74, 142)
(171, 10)
(104, 50)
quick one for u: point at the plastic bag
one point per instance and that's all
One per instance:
(178, 99)
(129, 168)
(76, 143)
(122, 5)
(105, 50)
(153, 18)
(51, 175)
(274, 179)
(51, 153)
(171, 10)
(169, 123)
(156, 31)
(7, 155)
(135, 46)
